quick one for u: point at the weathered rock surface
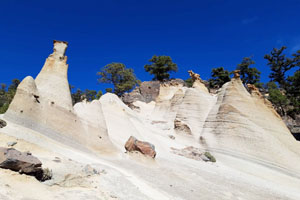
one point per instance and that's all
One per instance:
(243, 122)
(44, 104)
(144, 147)
(2, 123)
(198, 82)
(293, 125)
(20, 162)
(181, 127)
(194, 153)
(146, 92)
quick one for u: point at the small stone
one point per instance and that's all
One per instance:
(171, 137)
(2, 123)
(11, 144)
(57, 159)
(204, 158)
(89, 170)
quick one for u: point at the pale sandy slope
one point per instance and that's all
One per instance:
(126, 176)
(135, 177)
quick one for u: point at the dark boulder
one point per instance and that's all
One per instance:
(145, 148)
(2, 123)
(22, 162)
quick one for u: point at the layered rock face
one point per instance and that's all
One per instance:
(146, 92)
(234, 121)
(246, 124)
(45, 105)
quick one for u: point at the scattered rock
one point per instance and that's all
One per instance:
(145, 148)
(11, 144)
(47, 175)
(181, 127)
(146, 92)
(2, 123)
(24, 163)
(57, 159)
(172, 137)
(89, 170)
(194, 153)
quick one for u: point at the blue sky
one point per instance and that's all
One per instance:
(198, 35)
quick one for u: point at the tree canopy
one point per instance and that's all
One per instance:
(161, 67)
(121, 77)
(280, 64)
(219, 77)
(7, 94)
(247, 74)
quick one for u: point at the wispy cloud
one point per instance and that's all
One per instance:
(249, 20)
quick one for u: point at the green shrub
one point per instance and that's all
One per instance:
(210, 157)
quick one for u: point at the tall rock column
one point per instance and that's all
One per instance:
(52, 81)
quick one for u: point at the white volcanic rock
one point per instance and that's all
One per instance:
(45, 105)
(52, 81)
(246, 125)
(256, 156)
(194, 109)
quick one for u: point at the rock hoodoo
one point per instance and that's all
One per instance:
(198, 83)
(44, 104)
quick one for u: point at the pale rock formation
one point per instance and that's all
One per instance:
(194, 109)
(256, 156)
(198, 83)
(45, 105)
(52, 81)
(241, 123)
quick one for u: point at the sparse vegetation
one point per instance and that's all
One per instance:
(219, 77)
(210, 157)
(121, 77)
(7, 94)
(161, 67)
